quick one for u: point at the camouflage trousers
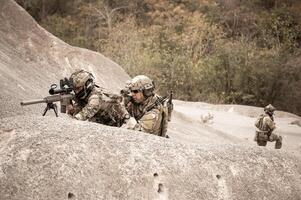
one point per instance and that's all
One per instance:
(263, 137)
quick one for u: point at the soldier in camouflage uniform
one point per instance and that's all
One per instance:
(265, 126)
(145, 108)
(93, 103)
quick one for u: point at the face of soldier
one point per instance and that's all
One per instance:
(137, 96)
(78, 89)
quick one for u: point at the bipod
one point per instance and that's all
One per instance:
(49, 106)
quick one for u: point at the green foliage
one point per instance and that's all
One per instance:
(244, 52)
(281, 28)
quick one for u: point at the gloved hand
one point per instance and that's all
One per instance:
(78, 116)
(129, 123)
(70, 109)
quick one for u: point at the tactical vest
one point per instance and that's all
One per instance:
(162, 105)
(112, 112)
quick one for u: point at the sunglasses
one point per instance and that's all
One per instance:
(135, 91)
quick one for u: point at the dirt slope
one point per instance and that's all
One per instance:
(61, 158)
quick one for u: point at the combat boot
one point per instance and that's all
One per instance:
(261, 143)
(278, 143)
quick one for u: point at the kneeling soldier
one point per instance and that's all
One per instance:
(265, 126)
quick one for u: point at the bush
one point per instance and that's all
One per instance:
(216, 51)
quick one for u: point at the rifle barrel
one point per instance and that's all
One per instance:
(35, 101)
(48, 99)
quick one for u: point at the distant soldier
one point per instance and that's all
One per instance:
(147, 110)
(93, 103)
(265, 126)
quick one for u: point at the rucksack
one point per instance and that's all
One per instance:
(113, 114)
(166, 114)
(259, 121)
(165, 119)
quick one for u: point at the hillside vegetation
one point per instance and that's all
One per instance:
(243, 52)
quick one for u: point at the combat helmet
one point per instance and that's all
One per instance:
(269, 109)
(84, 80)
(143, 84)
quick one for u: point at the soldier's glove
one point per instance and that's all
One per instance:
(129, 123)
(70, 109)
(78, 116)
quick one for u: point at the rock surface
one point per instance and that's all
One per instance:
(61, 158)
(82, 160)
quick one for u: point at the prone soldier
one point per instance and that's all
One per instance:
(94, 103)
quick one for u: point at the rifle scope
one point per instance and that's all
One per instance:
(66, 87)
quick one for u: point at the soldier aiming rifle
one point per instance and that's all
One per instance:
(83, 100)
(64, 95)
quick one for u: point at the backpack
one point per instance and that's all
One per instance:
(164, 120)
(113, 114)
(166, 115)
(259, 121)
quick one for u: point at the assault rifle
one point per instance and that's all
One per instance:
(161, 100)
(63, 94)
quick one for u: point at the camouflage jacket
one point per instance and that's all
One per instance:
(267, 125)
(101, 107)
(148, 120)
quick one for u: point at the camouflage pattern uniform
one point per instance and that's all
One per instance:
(145, 116)
(147, 121)
(96, 104)
(100, 107)
(265, 128)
